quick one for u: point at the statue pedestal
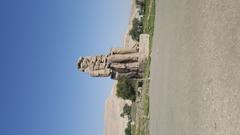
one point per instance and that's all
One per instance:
(143, 47)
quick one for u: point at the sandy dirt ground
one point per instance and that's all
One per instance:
(114, 124)
(195, 71)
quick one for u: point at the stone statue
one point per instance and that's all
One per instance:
(118, 64)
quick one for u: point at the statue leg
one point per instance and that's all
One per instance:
(123, 58)
(124, 67)
(124, 50)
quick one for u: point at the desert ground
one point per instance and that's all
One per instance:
(195, 70)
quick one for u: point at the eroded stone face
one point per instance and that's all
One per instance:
(119, 63)
(83, 64)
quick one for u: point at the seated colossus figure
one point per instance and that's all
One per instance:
(119, 63)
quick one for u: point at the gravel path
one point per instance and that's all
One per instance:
(195, 71)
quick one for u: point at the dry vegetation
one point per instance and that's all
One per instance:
(139, 114)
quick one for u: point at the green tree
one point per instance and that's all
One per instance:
(125, 89)
(136, 30)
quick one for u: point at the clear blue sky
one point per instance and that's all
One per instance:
(41, 91)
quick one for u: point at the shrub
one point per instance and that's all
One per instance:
(140, 3)
(128, 129)
(126, 111)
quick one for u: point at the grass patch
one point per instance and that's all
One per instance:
(149, 19)
(141, 108)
